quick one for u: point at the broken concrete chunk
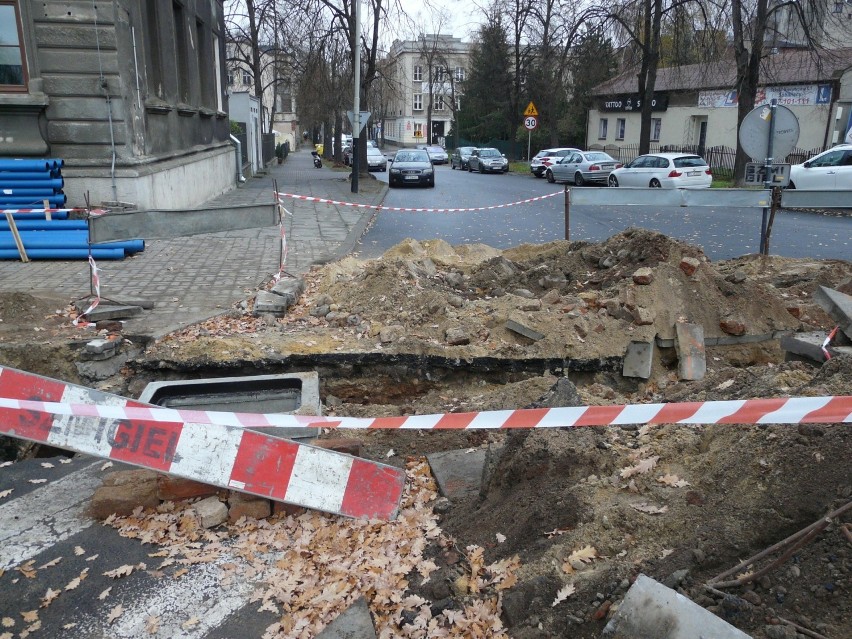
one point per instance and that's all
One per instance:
(290, 289)
(689, 344)
(211, 512)
(643, 316)
(651, 610)
(458, 472)
(521, 329)
(392, 333)
(838, 305)
(689, 265)
(638, 360)
(808, 345)
(522, 292)
(242, 505)
(113, 312)
(643, 275)
(530, 305)
(123, 491)
(457, 336)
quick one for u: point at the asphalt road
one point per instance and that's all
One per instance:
(723, 233)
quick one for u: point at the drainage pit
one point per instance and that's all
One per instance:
(285, 393)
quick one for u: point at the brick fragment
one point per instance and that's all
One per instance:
(290, 510)
(124, 491)
(176, 488)
(689, 265)
(732, 327)
(643, 316)
(643, 275)
(344, 445)
(243, 505)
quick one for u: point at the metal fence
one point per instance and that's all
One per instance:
(719, 158)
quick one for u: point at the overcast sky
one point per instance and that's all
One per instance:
(463, 16)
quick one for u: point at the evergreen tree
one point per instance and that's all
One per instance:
(592, 62)
(486, 111)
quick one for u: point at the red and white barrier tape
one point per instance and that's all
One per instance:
(96, 285)
(791, 410)
(827, 341)
(321, 200)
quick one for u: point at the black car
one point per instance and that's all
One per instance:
(461, 157)
(411, 166)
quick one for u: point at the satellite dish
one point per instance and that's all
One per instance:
(754, 132)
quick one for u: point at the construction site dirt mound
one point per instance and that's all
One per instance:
(433, 328)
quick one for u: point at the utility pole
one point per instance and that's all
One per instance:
(356, 111)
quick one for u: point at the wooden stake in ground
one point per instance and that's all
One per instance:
(18, 242)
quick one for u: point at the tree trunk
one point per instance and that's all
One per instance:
(748, 72)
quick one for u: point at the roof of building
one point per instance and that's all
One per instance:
(785, 67)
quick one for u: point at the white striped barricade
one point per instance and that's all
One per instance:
(75, 418)
(320, 200)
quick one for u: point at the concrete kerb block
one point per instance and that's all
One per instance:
(521, 329)
(266, 302)
(650, 609)
(458, 472)
(838, 305)
(689, 344)
(289, 289)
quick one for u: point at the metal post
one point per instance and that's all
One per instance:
(356, 112)
(767, 177)
(529, 142)
(567, 213)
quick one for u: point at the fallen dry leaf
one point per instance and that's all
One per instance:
(672, 480)
(190, 623)
(106, 465)
(500, 538)
(7, 622)
(79, 551)
(641, 467)
(37, 481)
(115, 613)
(46, 465)
(49, 596)
(30, 616)
(104, 594)
(50, 563)
(6, 493)
(563, 594)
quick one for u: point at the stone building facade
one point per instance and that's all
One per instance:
(130, 93)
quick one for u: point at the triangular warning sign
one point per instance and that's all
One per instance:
(531, 110)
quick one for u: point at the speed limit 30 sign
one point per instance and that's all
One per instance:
(530, 122)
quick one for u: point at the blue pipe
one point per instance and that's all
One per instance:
(33, 191)
(63, 215)
(45, 225)
(20, 164)
(23, 201)
(64, 254)
(66, 239)
(29, 175)
(46, 182)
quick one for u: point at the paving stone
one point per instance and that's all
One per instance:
(171, 488)
(809, 345)
(292, 288)
(97, 346)
(838, 305)
(242, 505)
(689, 343)
(638, 360)
(458, 472)
(355, 622)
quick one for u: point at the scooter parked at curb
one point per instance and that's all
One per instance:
(317, 160)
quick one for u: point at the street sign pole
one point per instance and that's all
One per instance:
(356, 123)
(529, 143)
(767, 184)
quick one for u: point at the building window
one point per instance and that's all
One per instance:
(182, 49)
(230, 77)
(656, 125)
(620, 126)
(418, 73)
(459, 74)
(418, 101)
(602, 128)
(13, 71)
(838, 7)
(246, 77)
(439, 74)
(418, 131)
(439, 103)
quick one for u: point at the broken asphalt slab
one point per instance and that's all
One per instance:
(355, 622)
(458, 472)
(838, 305)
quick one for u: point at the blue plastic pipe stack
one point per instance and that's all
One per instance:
(26, 184)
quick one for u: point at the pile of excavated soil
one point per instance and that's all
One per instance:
(424, 330)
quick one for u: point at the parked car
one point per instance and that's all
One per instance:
(546, 157)
(487, 160)
(411, 166)
(581, 167)
(437, 153)
(828, 171)
(347, 154)
(460, 156)
(664, 170)
(376, 160)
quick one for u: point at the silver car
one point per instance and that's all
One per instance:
(376, 161)
(581, 167)
(487, 160)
